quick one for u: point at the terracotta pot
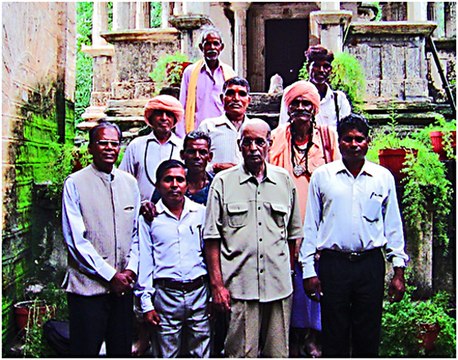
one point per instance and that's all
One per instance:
(25, 309)
(428, 335)
(393, 160)
(438, 145)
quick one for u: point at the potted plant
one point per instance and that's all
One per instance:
(442, 135)
(169, 70)
(424, 183)
(404, 324)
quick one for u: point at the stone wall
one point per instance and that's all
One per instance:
(39, 56)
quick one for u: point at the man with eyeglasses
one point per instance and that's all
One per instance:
(252, 222)
(144, 154)
(224, 130)
(202, 82)
(100, 206)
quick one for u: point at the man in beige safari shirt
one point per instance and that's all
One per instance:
(252, 222)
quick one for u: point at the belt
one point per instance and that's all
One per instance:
(185, 286)
(352, 256)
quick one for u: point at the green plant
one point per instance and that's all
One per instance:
(164, 74)
(155, 15)
(425, 186)
(444, 126)
(347, 75)
(401, 326)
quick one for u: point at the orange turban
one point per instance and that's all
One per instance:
(164, 102)
(302, 88)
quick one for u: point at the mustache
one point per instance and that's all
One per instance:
(302, 113)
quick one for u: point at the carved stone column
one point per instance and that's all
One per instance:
(142, 15)
(103, 67)
(121, 15)
(329, 26)
(165, 13)
(240, 35)
(417, 11)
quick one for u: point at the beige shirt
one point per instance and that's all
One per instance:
(254, 223)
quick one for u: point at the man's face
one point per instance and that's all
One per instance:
(172, 186)
(105, 148)
(211, 47)
(254, 145)
(319, 71)
(196, 155)
(162, 121)
(301, 109)
(353, 145)
(235, 100)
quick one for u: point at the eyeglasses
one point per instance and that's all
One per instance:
(260, 142)
(105, 143)
(232, 92)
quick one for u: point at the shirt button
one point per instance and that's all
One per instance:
(260, 239)
(259, 208)
(261, 256)
(261, 271)
(259, 224)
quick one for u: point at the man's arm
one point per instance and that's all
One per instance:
(220, 294)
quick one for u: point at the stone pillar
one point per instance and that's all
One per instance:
(417, 11)
(329, 26)
(142, 15)
(165, 13)
(240, 53)
(103, 67)
(330, 6)
(121, 14)
(437, 15)
(450, 19)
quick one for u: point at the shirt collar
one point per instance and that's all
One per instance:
(173, 139)
(224, 120)
(189, 206)
(367, 169)
(329, 94)
(245, 176)
(103, 175)
(207, 69)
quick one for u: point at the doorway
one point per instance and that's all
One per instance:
(286, 41)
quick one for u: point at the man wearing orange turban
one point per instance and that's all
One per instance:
(300, 146)
(144, 154)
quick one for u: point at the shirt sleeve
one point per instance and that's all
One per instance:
(344, 105)
(144, 287)
(295, 230)
(81, 249)
(213, 213)
(393, 228)
(311, 225)
(134, 250)
(128, 160)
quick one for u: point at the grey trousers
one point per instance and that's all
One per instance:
(184, 329)
(259, 329)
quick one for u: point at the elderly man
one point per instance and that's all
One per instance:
(352, 218)
(144, 154)
(202, 82)
(252, 223)
(100, 206)
(173, 284)
(225, 129)
(300, 147)
(334, 105)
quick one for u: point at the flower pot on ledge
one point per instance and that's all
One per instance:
(26, 312)
(438, 143)
(428, 334)
(393, 160)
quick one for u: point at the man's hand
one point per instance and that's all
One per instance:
(221, 299)
(122, 282)
(222, 166)
(152, 318)
(148, 210)
(397, 286)
(312, 287)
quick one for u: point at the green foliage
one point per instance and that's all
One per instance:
(379, 14)
(156, 13)
(164, 76)
(446, 127)
(425, 186)
(400, 326)
(347, 75)
(83, 61)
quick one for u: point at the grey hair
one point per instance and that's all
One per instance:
(209, 29)
(255, 122)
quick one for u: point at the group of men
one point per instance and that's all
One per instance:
(200, 224)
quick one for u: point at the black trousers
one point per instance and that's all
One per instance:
(351, 307)
(94, 319)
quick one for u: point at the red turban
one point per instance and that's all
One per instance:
(302, 88)
(164, 102)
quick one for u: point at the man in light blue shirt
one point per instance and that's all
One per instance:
(172, 283)
(352, 214)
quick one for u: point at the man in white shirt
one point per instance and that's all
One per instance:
(352, 214)
(225, 129)
(144, 154)
(172, 284)
(100, 206)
